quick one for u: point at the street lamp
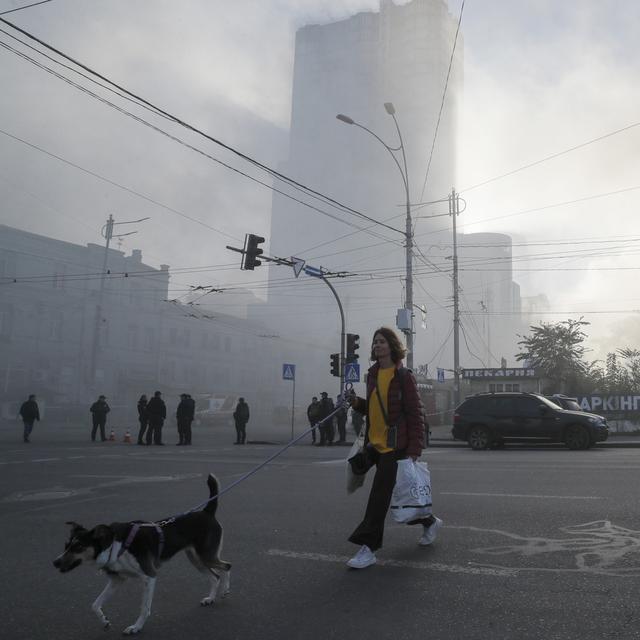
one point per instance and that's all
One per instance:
(408, 234)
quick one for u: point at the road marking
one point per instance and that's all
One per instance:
(45, 459)
(61, 504)
(503, 572)
(518, 495)
(75, 457)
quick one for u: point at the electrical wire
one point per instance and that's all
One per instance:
(26, 6)
(444, 94)
(275, 174)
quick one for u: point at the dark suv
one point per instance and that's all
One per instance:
(488, 420)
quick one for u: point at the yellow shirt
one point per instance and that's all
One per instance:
(377, 426)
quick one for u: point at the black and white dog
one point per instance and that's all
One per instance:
(137, 549)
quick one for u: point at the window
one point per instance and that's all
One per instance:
(132, 337)
(529, 407)
(497, 388)
(149, 339)
(512, 387)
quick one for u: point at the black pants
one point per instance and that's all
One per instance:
(184, 430)
(154, 432)
(143, 427)
(342, 429)
(241, 432)
(371, 530)
(326, 431)
(99, 422)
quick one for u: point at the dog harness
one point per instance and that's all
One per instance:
(134, 531)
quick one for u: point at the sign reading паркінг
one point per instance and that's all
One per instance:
(473, 374)
(610, 404)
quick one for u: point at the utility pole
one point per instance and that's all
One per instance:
(454, 211)
(108, 234)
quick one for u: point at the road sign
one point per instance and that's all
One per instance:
(440, 375)
(313, 271)
(298, 265)
(288, 371)
(352, 372)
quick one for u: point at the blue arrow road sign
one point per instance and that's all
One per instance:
(313, 271)
(288, 371)
(352, 372)
(440, 375)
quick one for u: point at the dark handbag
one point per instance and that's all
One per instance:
(362, 461)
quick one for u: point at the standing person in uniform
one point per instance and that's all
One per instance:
(99, 410)
(189, 419)
(157, 412)
(241, 417)
(143, 419)
(313, 415)
(184, 417)
(341, 419)
(29, 412)
(395, 431)
(326, 428)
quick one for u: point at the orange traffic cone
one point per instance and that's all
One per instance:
(112, 436)
(127, 436)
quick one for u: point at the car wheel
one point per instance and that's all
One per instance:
(479, 437)
(577, 437)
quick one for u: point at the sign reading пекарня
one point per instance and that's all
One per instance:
(615, 404)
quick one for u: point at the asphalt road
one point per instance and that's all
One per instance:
(539, 543)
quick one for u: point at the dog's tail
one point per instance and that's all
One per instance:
(214, 490)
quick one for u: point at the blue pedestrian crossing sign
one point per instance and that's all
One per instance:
(352, 372)
(288, 371)
(440, 375)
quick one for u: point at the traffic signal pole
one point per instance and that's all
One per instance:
(342, 333)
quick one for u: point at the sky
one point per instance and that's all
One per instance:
(541, 78)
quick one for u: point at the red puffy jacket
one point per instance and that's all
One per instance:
(404, 408)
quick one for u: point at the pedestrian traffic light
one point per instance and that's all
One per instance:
(335, 365)
(352, 347)
(252, 251)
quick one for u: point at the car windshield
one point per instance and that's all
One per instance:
(572, 405)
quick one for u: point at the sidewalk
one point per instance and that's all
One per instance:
(441, 437)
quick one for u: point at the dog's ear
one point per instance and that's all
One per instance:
(103, 536)
(74, 525)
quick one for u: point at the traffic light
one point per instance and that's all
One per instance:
(352, 347)
(252, 251)
(335, 365)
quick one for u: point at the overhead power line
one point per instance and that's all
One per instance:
(444, 94)
(26, 6)
(551, 157)
(196, 130)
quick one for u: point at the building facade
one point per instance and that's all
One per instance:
(69, 334)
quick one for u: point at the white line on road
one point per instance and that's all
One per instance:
(61, 504)
(518, 495)
(45, 459)
(75, 457)
(502, 572)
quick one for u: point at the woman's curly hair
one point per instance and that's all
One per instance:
(397, 348)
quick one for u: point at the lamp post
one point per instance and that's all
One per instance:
(408, 234)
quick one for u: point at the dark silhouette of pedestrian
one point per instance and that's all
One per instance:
(157, 413)
(184, 418)
(326, 428)
(241, 417)
(341, 419)
(143, 419)
(29, 412)
(99, 410)
(313, 415)
(357, 420)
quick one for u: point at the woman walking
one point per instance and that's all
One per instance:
(394, 431)
(143, 419)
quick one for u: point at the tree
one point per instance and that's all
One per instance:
(557, 350)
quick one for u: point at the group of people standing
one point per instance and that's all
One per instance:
(319, 410)
(153, 413)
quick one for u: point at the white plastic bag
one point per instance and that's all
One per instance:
(354, 482)
(411, 497)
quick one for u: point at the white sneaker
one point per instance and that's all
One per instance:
(364, 558)
(430, 533)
